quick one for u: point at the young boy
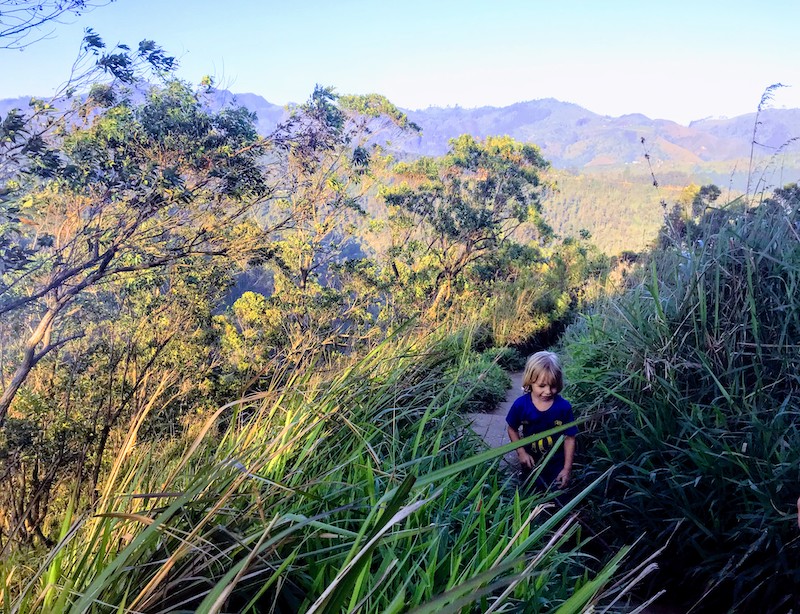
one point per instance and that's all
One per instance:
(542, 408)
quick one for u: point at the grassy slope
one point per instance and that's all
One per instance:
(692, 376)
(355, 488)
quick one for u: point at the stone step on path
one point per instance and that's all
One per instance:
(491, 426)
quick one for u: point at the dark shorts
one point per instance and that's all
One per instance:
(544, 482)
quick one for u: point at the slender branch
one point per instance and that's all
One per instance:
(25, 16)
(54, 346)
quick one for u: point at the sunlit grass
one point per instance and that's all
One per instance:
(354, 489)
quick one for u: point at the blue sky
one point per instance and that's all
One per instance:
(678, 60)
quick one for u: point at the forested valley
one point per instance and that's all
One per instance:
(235, 367)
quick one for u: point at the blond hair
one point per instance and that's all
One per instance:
(543, 363)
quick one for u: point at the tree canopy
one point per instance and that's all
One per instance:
(469, 202)
(122, 188)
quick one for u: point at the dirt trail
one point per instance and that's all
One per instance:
(492, 426)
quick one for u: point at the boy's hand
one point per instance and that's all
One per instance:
(525, 459)
(562, 479)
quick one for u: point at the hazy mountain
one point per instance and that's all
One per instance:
(13, 103)
(268, 114)
(604, 183)
(777, 127)
(571, 136)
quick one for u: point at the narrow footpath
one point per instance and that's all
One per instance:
(492, 425)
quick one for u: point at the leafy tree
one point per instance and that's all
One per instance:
(328, 152)
(24, 133)
(686, 197)
(253, 328)
(129, 188)
(147, 349)
(706, 195)
(466, 204)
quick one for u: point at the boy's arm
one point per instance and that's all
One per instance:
(569, 454)
(525, 459)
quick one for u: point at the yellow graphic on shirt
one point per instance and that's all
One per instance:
(543, 445)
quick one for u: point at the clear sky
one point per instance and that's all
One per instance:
(672, 59)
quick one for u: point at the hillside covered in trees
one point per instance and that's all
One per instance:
(236, 361)
(598, 162)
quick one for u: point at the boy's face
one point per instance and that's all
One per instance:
(543, 390)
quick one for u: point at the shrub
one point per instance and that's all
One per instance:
(693, 381)
(507, 358)
(348, 490)
(486, 384)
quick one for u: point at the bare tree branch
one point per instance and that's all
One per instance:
(25, 22)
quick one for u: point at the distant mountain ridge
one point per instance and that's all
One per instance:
(574, 138)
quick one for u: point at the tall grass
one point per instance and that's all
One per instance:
(693, 380)
(353, 489)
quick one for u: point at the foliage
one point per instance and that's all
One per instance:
(682, 219)
(455, 210)
(356, 489)
(375, 105)
(325, 165)
(118, 238)
(692, 377)
(619, 209)
(539, 294)
(160, 259)
(706, 196)
(131, 188)
(508, 358)
(485, 381)
(146, 347)
(253, 327)
(26, 136)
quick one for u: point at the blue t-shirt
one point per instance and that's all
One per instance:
(523, 413)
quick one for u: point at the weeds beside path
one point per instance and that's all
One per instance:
(492, 425)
